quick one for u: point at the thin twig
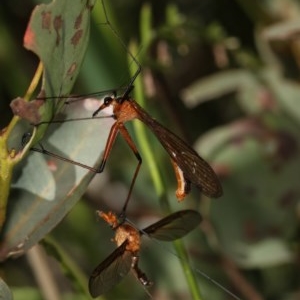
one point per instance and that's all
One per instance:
(37, 259)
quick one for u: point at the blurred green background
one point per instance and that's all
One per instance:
(224, 76)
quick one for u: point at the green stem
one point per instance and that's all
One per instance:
(6, 168)
(9, 158)
(160, 186)
(186, 267)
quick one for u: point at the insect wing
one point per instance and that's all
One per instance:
(194, 168)
(111, 271)
(174, 226)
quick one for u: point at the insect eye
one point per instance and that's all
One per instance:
(107, 100)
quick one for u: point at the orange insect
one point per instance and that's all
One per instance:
(189, 167)
(128, 239)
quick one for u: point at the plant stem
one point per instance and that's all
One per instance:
(9, 158)
(160, 187)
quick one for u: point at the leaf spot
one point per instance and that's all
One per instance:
(46, 20)
(57, 23)
(78, 21)
(76, 37)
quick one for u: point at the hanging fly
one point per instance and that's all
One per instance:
(128, 239)
(189, 167)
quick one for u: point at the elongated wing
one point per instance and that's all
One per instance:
(195, 169)
(174, 226)
(111, 271)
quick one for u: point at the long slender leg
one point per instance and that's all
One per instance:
(140, 275)
(117, 127)
(133, 147)
(46, 152)
(109, 143)
(111, 138)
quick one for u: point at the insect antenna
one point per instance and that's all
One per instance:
(122, 43)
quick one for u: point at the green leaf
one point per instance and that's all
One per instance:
(58, 33)
(258, 255)
(259, 167)
(255, 92)
(215, 86)
(44, 188)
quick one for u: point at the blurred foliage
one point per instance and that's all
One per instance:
(230, 67)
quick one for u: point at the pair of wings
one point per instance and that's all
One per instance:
(118, 264)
